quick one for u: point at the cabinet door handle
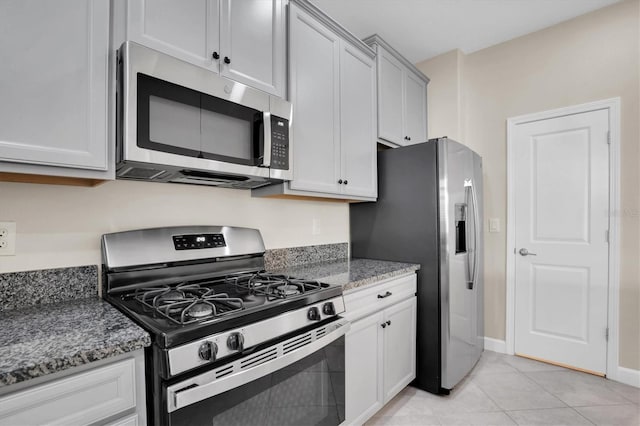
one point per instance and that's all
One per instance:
(388, 322)
(340, 181)
(227, 60)
(215, 55)
(382, 296)
(383, 325)
(346, 181)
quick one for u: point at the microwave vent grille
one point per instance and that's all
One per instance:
(141, 173)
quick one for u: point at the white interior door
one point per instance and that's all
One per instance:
(561, 226)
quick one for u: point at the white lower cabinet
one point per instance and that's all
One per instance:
(380, 351)
(113, 392)
(363, 366)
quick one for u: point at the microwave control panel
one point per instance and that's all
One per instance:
(279, 143)
(198, 241)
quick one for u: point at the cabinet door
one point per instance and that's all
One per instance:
(363, 369)
(53, 82)
(357, 123)
(185, 29)
(399, 347)
(314, 88)
(390, 98)
(415, 117)
(84, 398)
(252, 38)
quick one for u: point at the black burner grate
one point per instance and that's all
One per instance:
(188, 303)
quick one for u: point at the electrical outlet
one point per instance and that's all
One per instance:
(7, 238)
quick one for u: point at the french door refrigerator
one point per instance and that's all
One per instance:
(429, 211)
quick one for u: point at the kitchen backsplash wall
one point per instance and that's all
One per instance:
(61, 226)
(29, 288)
(287, 257)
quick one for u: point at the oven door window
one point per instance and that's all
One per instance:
(182, 121)
(307, 392)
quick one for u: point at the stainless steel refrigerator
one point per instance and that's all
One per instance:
(429, 211)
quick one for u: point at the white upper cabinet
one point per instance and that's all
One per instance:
(315, 94)
(332, 89)
(415, 101)
(402, 97)
(54, 87)
(242, 40)
(390, 98)
(357, 123)
(252, 40)
(185, 29)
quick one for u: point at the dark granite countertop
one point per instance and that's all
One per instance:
(350, 273)
(36, 341)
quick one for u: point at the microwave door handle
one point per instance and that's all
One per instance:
(266, 154)
(206, 386)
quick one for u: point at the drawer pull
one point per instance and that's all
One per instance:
(382, 296)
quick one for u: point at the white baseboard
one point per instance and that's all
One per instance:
(495, 345)
(627, 376)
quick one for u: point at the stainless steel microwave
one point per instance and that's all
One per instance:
(183, 124)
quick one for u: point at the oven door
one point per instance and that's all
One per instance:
(299, 381)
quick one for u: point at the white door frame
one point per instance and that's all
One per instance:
(613, 105)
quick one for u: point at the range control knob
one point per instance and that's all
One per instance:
(235, 341)
(328, 309)
(313, 314)
(208, 351)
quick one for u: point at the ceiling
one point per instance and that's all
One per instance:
(422, 29)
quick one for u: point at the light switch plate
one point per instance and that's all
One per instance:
(7, 238)
(494, 224)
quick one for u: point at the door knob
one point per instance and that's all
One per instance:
(525, 252)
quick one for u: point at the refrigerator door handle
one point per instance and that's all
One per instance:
(468, 183)
(476, 235)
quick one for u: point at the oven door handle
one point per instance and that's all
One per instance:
(206, 385)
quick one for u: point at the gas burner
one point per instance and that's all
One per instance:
(199, 310)
(288, 289)
(168, 296)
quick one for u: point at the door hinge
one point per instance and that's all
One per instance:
(606, 236)
(608, 137)
(606, 334)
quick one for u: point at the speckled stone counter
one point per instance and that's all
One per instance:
(37, 341)
(350, 273)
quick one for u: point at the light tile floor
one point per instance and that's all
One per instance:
(509, 390)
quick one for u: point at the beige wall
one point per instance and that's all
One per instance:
(61, 225)
(444, 100)
(592, 57)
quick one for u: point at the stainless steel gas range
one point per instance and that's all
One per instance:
(232, 344)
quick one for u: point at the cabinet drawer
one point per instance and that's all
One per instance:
(131, 420)
(372, 298)
(80, 399)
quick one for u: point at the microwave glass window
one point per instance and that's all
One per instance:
(225, 135)
(174, 123)
(179, 120)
